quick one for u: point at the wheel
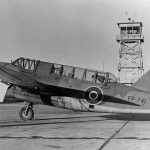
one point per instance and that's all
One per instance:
(26, 115)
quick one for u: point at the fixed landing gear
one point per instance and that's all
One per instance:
(27, 113)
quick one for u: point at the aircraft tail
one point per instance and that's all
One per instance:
(144, 82)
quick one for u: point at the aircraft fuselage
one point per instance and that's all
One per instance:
(71, 87)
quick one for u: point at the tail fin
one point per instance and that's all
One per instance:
(144, 82)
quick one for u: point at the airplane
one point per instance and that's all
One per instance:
(79, 89)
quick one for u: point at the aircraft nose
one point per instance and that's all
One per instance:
(2, 64)
(5, 65)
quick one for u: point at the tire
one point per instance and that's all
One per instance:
(29, 116)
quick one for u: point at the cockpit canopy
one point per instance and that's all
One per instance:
(82, 73)
(24, 63)
(63, 70)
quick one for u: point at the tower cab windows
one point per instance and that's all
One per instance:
(130, 30)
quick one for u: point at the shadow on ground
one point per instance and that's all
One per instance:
(132, 117)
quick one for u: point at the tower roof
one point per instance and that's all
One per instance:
(128, 24)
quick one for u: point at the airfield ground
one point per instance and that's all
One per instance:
(55, 128)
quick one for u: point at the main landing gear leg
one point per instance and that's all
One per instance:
(27, 113)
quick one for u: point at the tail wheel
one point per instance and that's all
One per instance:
(26, 113)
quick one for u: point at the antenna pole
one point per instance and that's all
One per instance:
(126, 15)
(103, 67)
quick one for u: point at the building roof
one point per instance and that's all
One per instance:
(132, 23)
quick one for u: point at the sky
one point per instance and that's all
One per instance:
(73, 32)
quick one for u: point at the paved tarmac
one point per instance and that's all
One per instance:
(55, 128)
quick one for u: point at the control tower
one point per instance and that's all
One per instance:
(130, 66)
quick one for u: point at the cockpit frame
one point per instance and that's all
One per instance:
(82, 74)
(25, 63)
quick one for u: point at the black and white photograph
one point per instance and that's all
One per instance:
(74, 74)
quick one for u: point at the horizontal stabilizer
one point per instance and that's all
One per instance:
(144, 82)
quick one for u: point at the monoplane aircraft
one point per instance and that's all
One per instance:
(74, 88)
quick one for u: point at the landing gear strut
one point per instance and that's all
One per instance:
(27, 113)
